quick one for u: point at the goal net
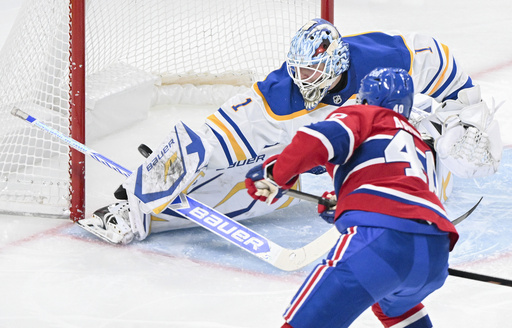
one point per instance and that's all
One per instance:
(137, 54)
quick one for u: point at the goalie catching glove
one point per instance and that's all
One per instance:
(261, 185)
(470, 145)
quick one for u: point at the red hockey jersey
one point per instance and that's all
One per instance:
(378, 162)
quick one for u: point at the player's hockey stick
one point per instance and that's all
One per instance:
(218, 223)
(146, 151)
(312, 198)
(453, 272)
(480, 277)
(329, 202)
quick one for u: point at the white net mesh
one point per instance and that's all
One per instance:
(195, 37)
(232, 42)
(33, 76)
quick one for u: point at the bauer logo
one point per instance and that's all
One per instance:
(160, 155)
(225, 227)
(249, 161)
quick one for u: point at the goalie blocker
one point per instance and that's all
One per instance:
(151, 188)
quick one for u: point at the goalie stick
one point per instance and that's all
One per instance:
(216, 222)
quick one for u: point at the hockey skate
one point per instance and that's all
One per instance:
(110, 223)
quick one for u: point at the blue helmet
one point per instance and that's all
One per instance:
(317, 56)
(388, 87)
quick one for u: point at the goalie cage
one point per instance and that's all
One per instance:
(79, 64)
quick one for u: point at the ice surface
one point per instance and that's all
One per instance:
(52, 274)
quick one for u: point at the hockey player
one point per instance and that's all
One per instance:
(395, 235)
(322, 72)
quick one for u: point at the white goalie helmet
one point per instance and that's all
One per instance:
(316, 58)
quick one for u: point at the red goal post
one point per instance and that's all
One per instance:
(70, 63)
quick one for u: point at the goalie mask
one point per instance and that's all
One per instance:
(387, 87)
(316, 58)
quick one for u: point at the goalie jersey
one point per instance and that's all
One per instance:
(379, 164)
(274, 109)
(259, 123)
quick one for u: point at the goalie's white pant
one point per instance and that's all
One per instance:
(225, 191)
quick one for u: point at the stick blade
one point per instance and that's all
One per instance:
(465, 215)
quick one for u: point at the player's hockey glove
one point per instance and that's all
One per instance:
(261, 185)
(327, 213)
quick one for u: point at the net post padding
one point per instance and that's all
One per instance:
(77, 107)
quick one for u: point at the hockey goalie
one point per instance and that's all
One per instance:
(322, 72)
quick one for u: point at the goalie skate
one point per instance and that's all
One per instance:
(110, 223)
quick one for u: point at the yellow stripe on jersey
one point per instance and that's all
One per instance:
(441, 78)
(286, 204)
(411, 53)
(240, 155)
(284, 117)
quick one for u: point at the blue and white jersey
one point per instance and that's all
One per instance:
(273, 110)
